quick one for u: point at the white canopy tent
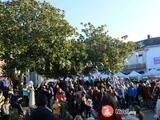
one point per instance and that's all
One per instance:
(86, 78)
(95, 75)
(120, 74)
(104, 75)
(134, 74)
(50, 80)
(152, 72)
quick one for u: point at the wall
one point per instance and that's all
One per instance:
(35, 77)
(135, 58)
(153, 57)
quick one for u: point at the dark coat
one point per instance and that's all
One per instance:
(42, 113)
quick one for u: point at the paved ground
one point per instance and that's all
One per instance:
(148, 115)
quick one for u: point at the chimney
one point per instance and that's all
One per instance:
(148, 36)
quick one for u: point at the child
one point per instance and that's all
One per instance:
(6, 110)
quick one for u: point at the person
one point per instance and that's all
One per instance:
(132, 92)
(51, 95)
(45, 90)
(64, 110)
(16, 102)
(147, 95)
(42, 112)
(140, 93)
(32, 95)
(89, 107)
(2, 98)
(56, 108)
(60, 95)
(25, 96)
(111, 102)
(6, 110)
(27, 114)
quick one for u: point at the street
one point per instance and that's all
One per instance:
(148, 115)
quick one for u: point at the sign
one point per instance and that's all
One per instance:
(156, 60)
(107, 111)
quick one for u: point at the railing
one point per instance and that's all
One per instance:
(135, 67)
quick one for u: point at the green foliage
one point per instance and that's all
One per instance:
(34, 35)
(102, 48)
(78, 57)
(31, 31)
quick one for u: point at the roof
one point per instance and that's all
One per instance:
(149, 42)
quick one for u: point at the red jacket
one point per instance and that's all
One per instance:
(59, 96)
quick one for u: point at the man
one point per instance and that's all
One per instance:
(42, 112)
(132, 92)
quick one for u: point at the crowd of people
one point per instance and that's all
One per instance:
(77, 99)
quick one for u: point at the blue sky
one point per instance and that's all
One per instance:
(135, 18)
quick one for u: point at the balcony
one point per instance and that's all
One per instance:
(137, 67)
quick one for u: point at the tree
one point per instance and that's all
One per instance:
(78, 57)
(32, 31)
(34, 35)
(103, 49)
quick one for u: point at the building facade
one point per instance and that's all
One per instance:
(145, 58)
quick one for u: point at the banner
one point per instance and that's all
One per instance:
(156, 60)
